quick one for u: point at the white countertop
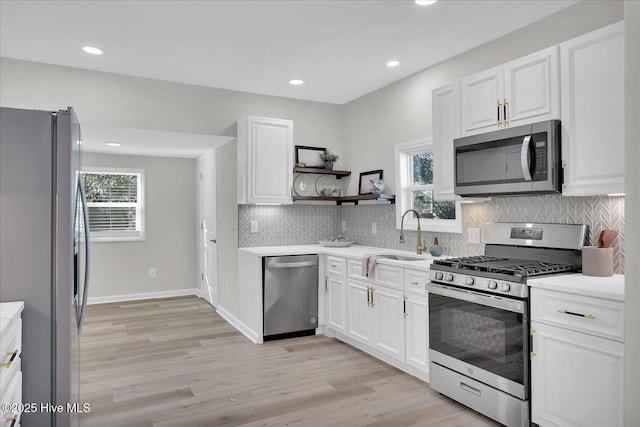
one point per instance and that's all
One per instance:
(611, 287)
(600, 287)
(353, 251)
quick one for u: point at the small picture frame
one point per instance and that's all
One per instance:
(367, 179)
(310, 156)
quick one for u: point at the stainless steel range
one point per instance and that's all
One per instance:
(479, 315)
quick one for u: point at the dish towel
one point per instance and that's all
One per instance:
(368, 264)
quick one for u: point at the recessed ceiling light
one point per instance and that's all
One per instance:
(113, 144)
(425, 2)
(93, 50)
(393, 63)
(296, 82)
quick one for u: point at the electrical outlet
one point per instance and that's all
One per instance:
(254, 226)
(374, 228)
(152, 273)
(344, 225)
(473, 235)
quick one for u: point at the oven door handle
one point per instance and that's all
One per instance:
(515, 306)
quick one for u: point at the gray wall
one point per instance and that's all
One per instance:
(123, 101)
(227, 216)
(171, 223)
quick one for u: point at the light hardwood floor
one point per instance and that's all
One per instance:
(175, 362)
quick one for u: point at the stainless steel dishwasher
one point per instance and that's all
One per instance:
(290, 296)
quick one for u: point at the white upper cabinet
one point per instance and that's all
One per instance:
(592, 75)
(446, 127)
(265, 160)
(482, 96)
(520, 92)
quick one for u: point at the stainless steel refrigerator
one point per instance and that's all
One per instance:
(44, 254)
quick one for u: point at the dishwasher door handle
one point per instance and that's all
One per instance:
(291, 264)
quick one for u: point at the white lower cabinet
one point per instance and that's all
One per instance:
(385, 315)
(359, 312)
(576, 378)
(336, 307)
(388, 321)
(335, 285)
(375, 317)
(417, 331)
(576, 368)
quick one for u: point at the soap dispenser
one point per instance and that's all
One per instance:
(435, 249)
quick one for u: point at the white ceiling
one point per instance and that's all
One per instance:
(338, 47)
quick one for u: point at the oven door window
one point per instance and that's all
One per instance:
(490, 338)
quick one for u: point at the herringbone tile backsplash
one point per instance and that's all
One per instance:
(287, 225)
(306, 224)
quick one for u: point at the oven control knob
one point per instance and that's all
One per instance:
(493, 284)
(505, 287)
(469, 281)
(449, 277)
(438, 276)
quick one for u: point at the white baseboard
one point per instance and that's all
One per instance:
(146, 295)
(240, 326)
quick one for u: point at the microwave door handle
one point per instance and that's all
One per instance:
(525, 158)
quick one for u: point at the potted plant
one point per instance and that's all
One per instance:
(328, 158)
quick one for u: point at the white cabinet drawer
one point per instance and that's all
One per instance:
(599, 317)
(354, 268)
(389, 275)
(12, 395)
(336, 265)
(10, 349)
(415, 282)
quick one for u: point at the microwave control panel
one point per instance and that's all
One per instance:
(540, 172)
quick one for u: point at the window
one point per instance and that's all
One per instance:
(115, 198)
(414, 169)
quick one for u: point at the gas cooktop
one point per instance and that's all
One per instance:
(520, 268)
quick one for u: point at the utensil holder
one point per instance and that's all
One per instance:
(597, 261)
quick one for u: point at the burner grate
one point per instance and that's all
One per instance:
(514, 267)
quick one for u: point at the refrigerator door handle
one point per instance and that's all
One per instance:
(87, 251)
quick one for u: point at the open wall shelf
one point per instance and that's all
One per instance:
(346, 199)
(338, 174)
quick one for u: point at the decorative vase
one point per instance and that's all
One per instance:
(435, 249)
(328, 165)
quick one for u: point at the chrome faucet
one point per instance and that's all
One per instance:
(420, 246)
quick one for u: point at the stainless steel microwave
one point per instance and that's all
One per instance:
(515, 161)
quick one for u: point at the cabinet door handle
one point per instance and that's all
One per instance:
(373, 304)
(505, 121)
(12, 356)
(404, 305)
(498, 115)
(326, 284)
(586, 316)
(414, 283)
